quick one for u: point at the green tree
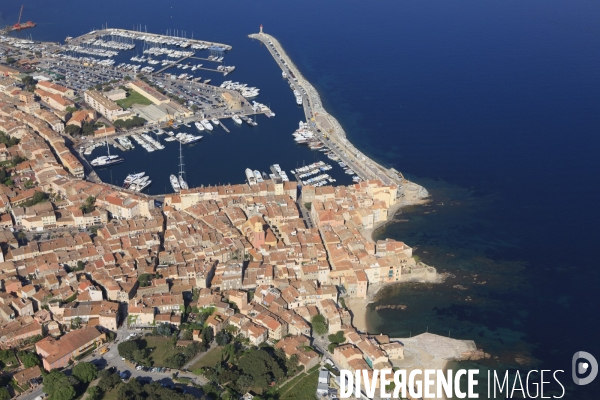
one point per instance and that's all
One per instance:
(94, 393)
(243, 383)
(66, 392)
(164, 330)
(29, 359)
(261, 367)
(58, 386)
(175, 361)
(16, 160)
(76, 323)
(38, 197)
(108, 380)
(127, 348)
(72, 130)
(207, 336)
(88, 129)
(85, 372)
(338, 337)
(4, 395)
(222, 338)
(88, 206)
(319, 324)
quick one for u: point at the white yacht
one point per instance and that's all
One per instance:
(283, 75)
(215, 121)
(182, 183)
(237, 119)
(250, 176)
(258, 176)
(132, 177)
(199, 126)
(105, 161)
(207, 124)
(175, 183)
(142, 185)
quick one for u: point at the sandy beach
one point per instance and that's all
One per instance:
(358, 307)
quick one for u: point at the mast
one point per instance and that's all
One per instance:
(181, 171)
(107, 146)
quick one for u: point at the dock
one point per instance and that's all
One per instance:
(113, 142)
(205, 59)
(137, 35)
(223, 126)
(171, 65)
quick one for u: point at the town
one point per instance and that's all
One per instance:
(105, 290)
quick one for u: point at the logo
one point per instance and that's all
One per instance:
(584, 363)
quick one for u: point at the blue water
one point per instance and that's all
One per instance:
(493, 106)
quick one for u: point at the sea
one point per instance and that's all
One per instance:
(493, 106)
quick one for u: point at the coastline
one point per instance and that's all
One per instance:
(409, 193)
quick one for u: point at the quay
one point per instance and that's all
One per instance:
(137, 35)
(326, 127)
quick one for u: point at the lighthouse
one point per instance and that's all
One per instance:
(261, 28)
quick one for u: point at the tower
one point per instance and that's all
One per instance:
(261, 28)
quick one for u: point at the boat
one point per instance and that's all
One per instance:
(183, 183)
(143, 185)
(215, 121)
(199, 126)
(283, 75)
(175, 183)
(132, 177)
(257, 176)
(250, 176)
(206, 124)
(237, 119)
(105, 161)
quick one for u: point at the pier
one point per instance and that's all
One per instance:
(137, 35)
(205, 59)
(116, 144)
(171, 65)
(223, 126)
(325, 127)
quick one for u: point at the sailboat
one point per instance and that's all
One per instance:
(105, 161)
(182, 183)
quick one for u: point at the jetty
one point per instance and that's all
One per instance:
(139, 35)
(327, 128)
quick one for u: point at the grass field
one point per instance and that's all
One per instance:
(212, 357)
(133, 98)
(161, 349)
(303, 387)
